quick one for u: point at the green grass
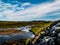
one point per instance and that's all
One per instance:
(39, 27)
(36, 30)
(5, 24)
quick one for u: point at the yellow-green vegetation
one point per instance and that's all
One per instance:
(7, 24)
(27, 41)
(36, 30)
(39, 27)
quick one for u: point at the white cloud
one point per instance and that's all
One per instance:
(39, 10)
(26, 4)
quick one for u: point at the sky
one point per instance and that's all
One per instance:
(29, 10)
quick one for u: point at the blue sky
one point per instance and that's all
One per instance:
(30, 1)
(28, 10)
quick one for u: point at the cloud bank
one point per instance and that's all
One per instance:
(28, 11)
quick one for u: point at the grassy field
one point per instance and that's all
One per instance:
(38, 25)
(6, 24)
